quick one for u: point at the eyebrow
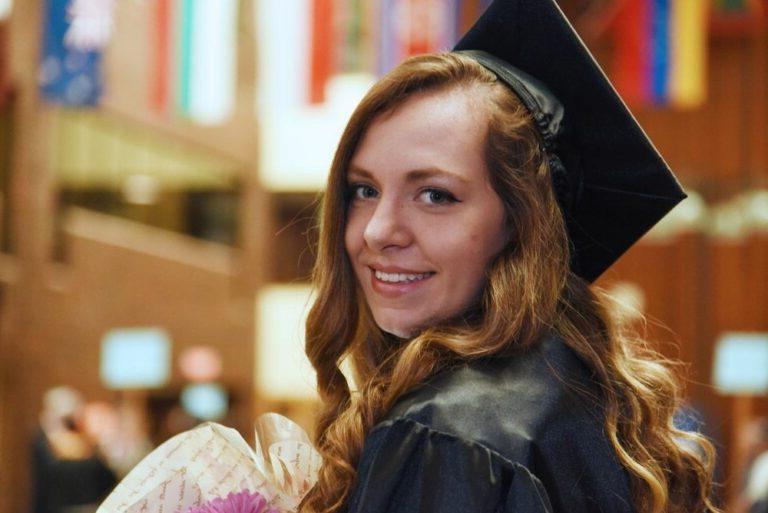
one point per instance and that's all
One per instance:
(414, 175)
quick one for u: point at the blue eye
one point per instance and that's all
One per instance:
(438, 196)
(362, 192)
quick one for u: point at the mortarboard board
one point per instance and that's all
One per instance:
(616, 185)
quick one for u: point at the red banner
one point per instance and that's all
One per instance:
(160, 90)
(322, 51)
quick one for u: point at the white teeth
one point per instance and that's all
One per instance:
(400, 277)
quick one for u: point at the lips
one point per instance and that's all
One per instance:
(396, 282)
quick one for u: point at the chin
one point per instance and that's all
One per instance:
(399, 329)
(399, 332)
(395, 325)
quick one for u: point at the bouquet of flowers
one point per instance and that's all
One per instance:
(211, 469)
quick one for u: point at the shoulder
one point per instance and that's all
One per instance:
(536, 414)
(408, 434)
(509, 404)
(408, 466)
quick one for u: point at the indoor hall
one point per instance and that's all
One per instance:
(162, 163)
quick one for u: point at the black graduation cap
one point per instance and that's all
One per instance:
(615, 186)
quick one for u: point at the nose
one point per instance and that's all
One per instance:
(388, 226)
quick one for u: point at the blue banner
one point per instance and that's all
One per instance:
(67, 75)
(660, 50)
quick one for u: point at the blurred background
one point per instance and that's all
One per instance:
(160, 161)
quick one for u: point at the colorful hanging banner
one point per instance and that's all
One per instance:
(68, 75)
(632, 56)
(389, 51)
(687, 77)
(91, 24)
(205, 58)
(322, 48)
(367, 42)
(352, 42)
(660, 53)
(160, 92)
(213, 63)
(660, 45)
(185, 21)
(411, 27)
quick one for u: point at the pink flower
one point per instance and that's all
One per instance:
(241, 502)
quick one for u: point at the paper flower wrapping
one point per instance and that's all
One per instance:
(211, 469)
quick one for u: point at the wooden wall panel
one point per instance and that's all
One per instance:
(738, 272)
(29, 198)
(757, 112)
(668, 274)
(174, 282)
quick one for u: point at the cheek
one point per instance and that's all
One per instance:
(475, 245)
(353, 236)
(475, 251)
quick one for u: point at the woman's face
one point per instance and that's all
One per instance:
(423, 222)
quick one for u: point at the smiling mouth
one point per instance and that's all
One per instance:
(401, 277)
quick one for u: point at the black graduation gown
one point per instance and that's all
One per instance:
(495, 435)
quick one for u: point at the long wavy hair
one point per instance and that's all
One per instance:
(530, 290)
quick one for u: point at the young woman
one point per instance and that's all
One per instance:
(453, 271)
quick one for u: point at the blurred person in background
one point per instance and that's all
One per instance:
(473, 198)
(68, 472)
(754, 489)
(117, 435)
